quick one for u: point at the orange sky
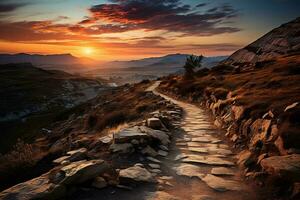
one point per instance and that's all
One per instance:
(124, 30)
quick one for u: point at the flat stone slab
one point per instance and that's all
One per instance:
(154, 166)
(198, 149)
(220, 184)
(188, 170)
(153, 159)
(209, 160)
(180, 156)
(221, 171)
(201, 139)
(162, 153)
(220, 151)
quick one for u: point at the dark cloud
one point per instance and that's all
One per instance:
(169, 15)
(6, 7)
(201, 5)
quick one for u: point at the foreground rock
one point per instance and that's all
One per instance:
(287, 167)
(81, 171)
(38, 188)
(136, 174)
(220, 184)
(53, 185)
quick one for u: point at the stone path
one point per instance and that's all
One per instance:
(200, 164)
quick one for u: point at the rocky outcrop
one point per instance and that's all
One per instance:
(280, 41)
(136, 173)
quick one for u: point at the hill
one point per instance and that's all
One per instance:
(254, 97)
(28, 91)
(283, 40)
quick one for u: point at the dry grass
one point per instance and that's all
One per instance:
(271, 85)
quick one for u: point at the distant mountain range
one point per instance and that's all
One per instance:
(280, 41)
(170, 61)
(38, 59)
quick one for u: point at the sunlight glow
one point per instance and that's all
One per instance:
(88, 51)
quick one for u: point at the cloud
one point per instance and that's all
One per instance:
(168, 15)
(6, 7)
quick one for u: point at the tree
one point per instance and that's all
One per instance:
(191, 64)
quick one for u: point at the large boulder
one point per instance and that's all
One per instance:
(37, 188)
(287, 167)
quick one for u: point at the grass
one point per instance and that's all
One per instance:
(271, 85)
(98, 117)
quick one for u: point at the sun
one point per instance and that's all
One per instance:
(87, 51)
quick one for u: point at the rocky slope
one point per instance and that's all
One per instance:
(283, 40)
(258, 107)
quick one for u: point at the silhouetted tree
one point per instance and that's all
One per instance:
(191, 64)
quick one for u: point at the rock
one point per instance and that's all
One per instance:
(156, 134)
(135, 142)
(162, 153)
(188, 170)
(261, 157)
(153, 159)
(220, 184)
(106, 139)
(77, 151)
(154, 123)
(155, 171)
(287, 167)
(237, 112)
(163, 147)
(219, 171)
(149, 151)
(128, 134)
(289, 107)
(201, 139)
(61, 159)
(136, 174)
(99, 183)
(218, 123)
(154, 166)
(209, 160)
(37, 188)
(121, 148)
(245, 158)
(260, 131)
(81, 171)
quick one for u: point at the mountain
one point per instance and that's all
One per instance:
(280, 41)
(38, 59)
(170, 61)
(63, 62)
(121, 72)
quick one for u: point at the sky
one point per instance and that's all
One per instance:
(133, 29)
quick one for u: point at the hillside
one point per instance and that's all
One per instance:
(257, 106)
(283, 40)
(30, 91)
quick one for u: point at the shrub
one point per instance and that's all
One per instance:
(192, 62)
